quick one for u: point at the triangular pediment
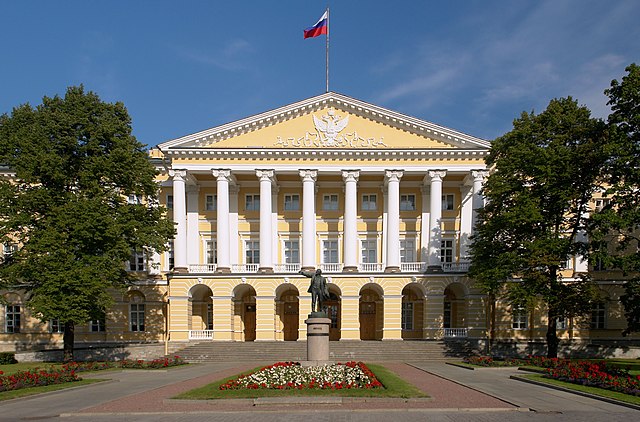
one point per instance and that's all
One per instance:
(329, 121)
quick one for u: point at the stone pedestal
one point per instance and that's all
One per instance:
(318, 338)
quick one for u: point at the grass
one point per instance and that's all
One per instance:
(23, 392)
(394, 386)
(586, 389)
(26, 366)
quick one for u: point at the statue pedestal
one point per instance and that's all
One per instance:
(318, 338)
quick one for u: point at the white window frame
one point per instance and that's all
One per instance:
(287, 249)
(252, 202)
(250, 245)
(210, 202)
(408, 202)
(407, 316)
(97, 325)
(12, 318)
(211, 251)
(369, 202)
(404, 249)
(366, 251)
(55, 326)
(324, 251)
(328, 203)
(138, 261)
(448, 202)
(137, 312)
(519, 318)
(445, 248)
(291, 202)
(134, 199)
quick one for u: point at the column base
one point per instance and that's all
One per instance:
(265, 270)
(180, 270)
(392, 270)
(350, 269)
(223, 270)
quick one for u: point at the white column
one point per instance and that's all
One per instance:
(193, 232)
(234, 240)
(350, 224)
(392, 178)
(308, 219)
(435, 231)
(266, 255)
(180, 220)
(466, 218)
(424, 225)
(478, 199)
(222, 220)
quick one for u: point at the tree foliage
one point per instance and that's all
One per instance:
(544, 173)
(615, 230)
(74, 163)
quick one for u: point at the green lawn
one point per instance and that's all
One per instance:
(26, 366)
(583, 388)
(394, 386)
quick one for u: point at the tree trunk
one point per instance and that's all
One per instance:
(552, 335)
(68, 340)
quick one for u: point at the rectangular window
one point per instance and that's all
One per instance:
(12, 319)
(447, 202)
(520, 318)
(292, 202)
(136, 317)
(408, 250)
(252, 203)
(598, 314)
(209, 316)
(407, 202)
(252, 252)
(137, 262)
(601, 203)
(369, 252)
(172, 260)
(8, 249)
(446, 316)
(407, 315)
(330, 202)
(170, 202)
(369, 203)
(561, 323)
(134, 199)
(97, 325)
(446, 251)
(55, 326)
(211, 252)
(330, 252)
(291, 252)
(210, 202)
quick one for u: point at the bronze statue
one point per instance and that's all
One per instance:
(318, 289)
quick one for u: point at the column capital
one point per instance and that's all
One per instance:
(309, 175)
(350, 175)
(479, 175)
(222, 174)
(436, 175)
(266, 175)
(178, 174)
(392, 175)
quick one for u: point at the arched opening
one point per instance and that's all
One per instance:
(201, 322)
(288, 310)
(334, 310)
(455, 310)
(137, 312)
(244, 299)
(412, 312)
(371, 312)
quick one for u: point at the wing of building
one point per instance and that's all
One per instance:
(382, 203)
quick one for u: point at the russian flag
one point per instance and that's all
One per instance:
(321, 27)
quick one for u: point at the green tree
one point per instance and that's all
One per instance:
(615, 230)
(543, 175)
(74, 164)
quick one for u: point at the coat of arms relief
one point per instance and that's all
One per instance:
(330, 133)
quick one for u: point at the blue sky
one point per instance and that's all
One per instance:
(185, 66)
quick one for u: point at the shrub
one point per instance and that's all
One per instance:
(7, 358)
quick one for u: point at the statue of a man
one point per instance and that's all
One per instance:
(317, 288)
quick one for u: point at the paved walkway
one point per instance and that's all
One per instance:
(455, 395)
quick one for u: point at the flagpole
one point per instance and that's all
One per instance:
(328, 29)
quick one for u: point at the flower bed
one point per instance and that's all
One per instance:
(153, 364)
(25, 379)
(488, 361)
(290, 375)
(596, 374)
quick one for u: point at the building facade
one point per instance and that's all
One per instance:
(383, 203)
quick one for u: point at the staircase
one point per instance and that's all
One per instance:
(340, 351)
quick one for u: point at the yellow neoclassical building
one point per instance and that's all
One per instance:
(383, 203)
